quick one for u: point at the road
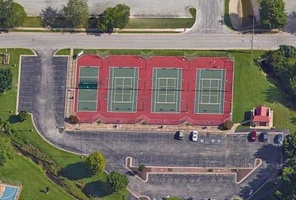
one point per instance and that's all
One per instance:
(144, 41)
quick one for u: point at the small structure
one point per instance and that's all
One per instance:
(262, 117)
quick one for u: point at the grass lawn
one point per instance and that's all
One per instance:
(161, 23)
(252, 88)
(32, 22)
(63, 52)
(33, 179)
(64, 159)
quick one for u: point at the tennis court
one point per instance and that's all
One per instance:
(88, 89)
(166, 92)
(123, 89)
(210, 89)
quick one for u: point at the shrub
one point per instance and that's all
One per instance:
(210, 170)
(228, 124)
(74, 119)
(96, 162)
(116, 181)
(23, 115)
(141, 167)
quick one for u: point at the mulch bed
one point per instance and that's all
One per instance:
(241, 173)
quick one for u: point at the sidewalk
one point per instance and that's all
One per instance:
(147, 128)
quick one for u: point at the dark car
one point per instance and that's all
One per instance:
(279, 139)
(253, 136)
(180, 134)
(264, 136)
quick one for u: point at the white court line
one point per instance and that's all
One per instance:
(155, 92)
(177, 88)
(85, 101)
(220, 87)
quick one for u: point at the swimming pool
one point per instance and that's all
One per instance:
(9, 193)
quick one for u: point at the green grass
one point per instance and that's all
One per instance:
(62, 52)
(32, 22)
(252, 88)
(162, 23)
(33, 180)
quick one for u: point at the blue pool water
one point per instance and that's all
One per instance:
(9, 193)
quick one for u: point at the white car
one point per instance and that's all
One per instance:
(194, 136)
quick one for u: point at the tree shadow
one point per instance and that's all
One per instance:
(76, 171)
(13, 119)
(265, 172)
(96, 189)
(291, 23)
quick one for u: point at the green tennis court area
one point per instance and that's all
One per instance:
(123, 89)
(166, 94)
(88, 89)
(209, 95)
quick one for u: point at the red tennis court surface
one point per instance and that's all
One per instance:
(186, 110)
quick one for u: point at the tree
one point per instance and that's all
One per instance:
(116, 17)
(6, 150)
(116, 181)
(96, 162)
(76, 13)
(73, 119)
(290, 145)
(23, 115)
(49, 16)
(9, 128)
(228, 124)
(5, 79)
(11, 14)
(272, 13)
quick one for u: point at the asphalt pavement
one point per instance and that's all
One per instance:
(144, 41)
(42, 93)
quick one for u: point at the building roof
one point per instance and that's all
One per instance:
(262, 111)
(261, 114)
(261, 119)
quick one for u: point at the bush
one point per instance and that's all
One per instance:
(74, 119)
(5, 80)
(116, 181)
(141, 167)
(228, 124)
(23, 115)
(96, 162)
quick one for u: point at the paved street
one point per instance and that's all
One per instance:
(144, 41)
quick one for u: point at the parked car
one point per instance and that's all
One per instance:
(180, 134)
(194, 136)
(253, 136)
(279, 139)
(264, 136)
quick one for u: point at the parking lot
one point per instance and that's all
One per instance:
(42, 90)
(162, 149)
(42, 87)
